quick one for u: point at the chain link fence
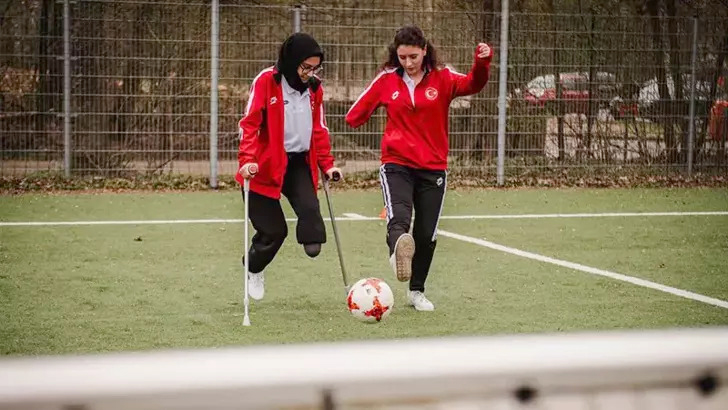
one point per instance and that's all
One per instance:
(616, 93)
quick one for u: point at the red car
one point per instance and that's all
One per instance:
(541, 91)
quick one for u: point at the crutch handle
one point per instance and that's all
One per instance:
(335, 176)
(248, 170)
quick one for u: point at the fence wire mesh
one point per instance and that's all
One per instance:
(592, 91)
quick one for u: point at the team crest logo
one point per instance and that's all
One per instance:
(395, 95)
(431, 93)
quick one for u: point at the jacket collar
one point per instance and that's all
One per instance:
(400, 71)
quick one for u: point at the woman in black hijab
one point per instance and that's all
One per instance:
(283, 135)
(298, 62)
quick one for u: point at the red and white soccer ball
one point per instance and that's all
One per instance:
(370, 300)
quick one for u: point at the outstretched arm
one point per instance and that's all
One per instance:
(478, 76)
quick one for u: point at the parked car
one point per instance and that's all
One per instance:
(643, 100)
(541, 91)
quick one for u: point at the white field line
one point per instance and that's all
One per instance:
(588, 269)
(481, 242)
(357, 217)
(587, 215)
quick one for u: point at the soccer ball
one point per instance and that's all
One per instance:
(370, 300)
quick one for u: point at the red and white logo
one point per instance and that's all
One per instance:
(395, 95)
(431, 93)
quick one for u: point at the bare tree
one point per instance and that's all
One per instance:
(50, 68)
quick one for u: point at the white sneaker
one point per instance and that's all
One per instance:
(256, 285)
(419, 301)
(401, 259)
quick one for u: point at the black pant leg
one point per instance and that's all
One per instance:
(429, 196)
(268, 220)
(397, 188)
(298, 188)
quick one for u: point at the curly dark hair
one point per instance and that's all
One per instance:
(411, 36)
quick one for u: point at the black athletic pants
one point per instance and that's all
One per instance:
(404, 188)
(268, 219)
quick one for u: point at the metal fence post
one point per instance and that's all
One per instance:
(297, 19)
(691, 125)
(502, 89)
(67, 88)
(215, 47)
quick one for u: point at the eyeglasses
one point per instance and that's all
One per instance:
(310, 69)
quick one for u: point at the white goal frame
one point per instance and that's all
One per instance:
(660, 369)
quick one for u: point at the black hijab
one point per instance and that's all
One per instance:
(294, 50)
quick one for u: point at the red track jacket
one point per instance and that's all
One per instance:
(416, 134)
(261, 136)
